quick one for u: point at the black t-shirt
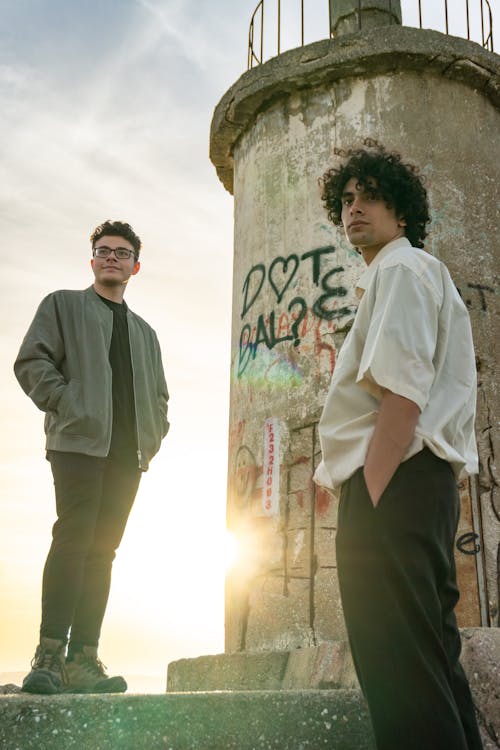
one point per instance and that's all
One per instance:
(124, 436)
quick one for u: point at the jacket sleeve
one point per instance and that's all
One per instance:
(162, 391)
(38, 364)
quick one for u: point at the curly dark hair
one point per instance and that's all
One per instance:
(383, 174)
(117, 229)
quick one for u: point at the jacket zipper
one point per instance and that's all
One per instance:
(139, 452)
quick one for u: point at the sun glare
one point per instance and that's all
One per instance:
(232, 551)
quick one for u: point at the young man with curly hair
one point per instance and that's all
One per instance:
(396, 431)
(94, 367)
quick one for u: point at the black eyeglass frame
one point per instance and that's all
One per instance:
(121, 253)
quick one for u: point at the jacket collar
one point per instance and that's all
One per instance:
(95, 297)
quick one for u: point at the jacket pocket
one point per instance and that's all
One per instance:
(69, 413)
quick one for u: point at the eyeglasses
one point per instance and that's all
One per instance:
(121, 253)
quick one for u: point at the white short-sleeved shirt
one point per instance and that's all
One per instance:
(412, 336)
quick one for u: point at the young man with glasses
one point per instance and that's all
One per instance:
(396, 431)
(94, 367)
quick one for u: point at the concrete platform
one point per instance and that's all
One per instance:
(327, 666)
(263, 720)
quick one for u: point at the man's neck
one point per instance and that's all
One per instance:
(369, 253)
(114, 293)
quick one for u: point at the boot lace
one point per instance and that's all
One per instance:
(50, 660)
(93, 666)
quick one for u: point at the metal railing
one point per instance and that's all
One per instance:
(256, 39)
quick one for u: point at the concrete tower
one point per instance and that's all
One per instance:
(435, 99)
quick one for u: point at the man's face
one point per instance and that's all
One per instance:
(368, 223)
(113, 271)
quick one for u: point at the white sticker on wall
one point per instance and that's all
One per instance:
(271, 468)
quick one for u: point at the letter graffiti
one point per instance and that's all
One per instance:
(287, 278)
(481, 289)
(277, 326)
(330, 292)
(247, 304)
(255, 278)
(316, 256)
(295, 325)
(246, 348)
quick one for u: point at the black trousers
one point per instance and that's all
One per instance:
(94, 497)
(398, 589)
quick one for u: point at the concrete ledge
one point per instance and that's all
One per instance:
(378, 51)
(267, 720)
(327, 666)
(241, 671)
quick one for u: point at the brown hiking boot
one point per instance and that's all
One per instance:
(47, 675)
(85, 673)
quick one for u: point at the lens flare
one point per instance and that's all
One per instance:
(232, 550)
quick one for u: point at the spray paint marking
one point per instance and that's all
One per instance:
(279, 326)
(481, 289)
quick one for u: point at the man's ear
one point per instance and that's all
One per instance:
(402, 222)
(136, 268)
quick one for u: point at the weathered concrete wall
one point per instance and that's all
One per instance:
(435, 99)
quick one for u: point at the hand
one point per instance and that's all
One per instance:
(375, 491)
(393, 433)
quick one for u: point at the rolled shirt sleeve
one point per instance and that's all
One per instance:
(401, 336)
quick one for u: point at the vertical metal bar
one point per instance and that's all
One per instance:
(302, 20)
(420, 13)
(279, 26)
(286, 574)
(312, 546)
(482, 22)
(262, 31)
(330, 17)
(446, 15)
(489, 38)
(468, 18)
(491, 29)
(249, 46)
(251, 39)
(477, 527)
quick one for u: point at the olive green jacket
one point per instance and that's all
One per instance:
(63, 366)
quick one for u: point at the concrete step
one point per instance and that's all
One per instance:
(244, 720)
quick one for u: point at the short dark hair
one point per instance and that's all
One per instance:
(117, 229)
(400, 185)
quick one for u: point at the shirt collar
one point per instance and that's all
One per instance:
(369, 272)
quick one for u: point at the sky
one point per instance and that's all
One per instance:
(105, 110)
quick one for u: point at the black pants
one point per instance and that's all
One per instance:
(398, 588)
(94, 497)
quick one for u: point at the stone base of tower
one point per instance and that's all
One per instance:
(199, 716)
(329, 667)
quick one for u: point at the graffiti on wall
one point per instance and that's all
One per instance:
(482, 293)
(292, 317)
